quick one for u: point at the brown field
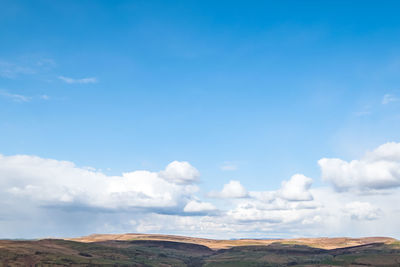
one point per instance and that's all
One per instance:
(168, 250)
(215, 244)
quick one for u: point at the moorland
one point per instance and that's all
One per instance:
(169, 250)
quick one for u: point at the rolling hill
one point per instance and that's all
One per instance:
(168, 250)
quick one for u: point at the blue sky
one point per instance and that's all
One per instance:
(249, 91)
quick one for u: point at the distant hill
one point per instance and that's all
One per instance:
(324, 243)
(168, 250)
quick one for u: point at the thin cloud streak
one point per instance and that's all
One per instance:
(388, 98)
(78, 81)
(11, 70)
(15, 97)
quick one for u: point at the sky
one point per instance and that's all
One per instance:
(220, 119)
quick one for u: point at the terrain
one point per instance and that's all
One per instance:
(167, 250)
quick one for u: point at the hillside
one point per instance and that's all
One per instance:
(324, 243)
(164, 250)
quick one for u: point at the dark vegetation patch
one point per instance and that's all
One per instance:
(187, 247)
(85, 254)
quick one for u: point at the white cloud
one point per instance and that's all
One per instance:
(291, 203)
(201, 226)
(180, 172)
(293, 193)
(271, 210)
(26, 65)
(197, 206)
(388, 98)
(21, 98)
(42, 197)
(331, 213)
(377, 170)
(11, 70)
(81, 81)
(233, 189)
(15, 97)
(387, 152)
(52, 182)
(257, 211)
(362, 211)
(297, 188)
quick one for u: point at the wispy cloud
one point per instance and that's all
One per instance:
(229, 166)
(81, 81)
(11, 70)
(22, 98)
(388, 98)
(25, 66)
(15, 97)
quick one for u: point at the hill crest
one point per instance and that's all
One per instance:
(216, 244)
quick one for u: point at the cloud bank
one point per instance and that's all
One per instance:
(52, 182)
(42, 197)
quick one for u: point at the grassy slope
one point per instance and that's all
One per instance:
(65, 253)
(325, 243)
(295, 255)
(52, 252)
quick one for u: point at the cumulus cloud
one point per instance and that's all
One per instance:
(297, 188)
(198, 207)
(180, 172)
(233, 189)
(52, 182)
(377, 170)
(266, 214)
(81, 80)
(388, 152)
(42, 197)
(362, 211)
(291, 203)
